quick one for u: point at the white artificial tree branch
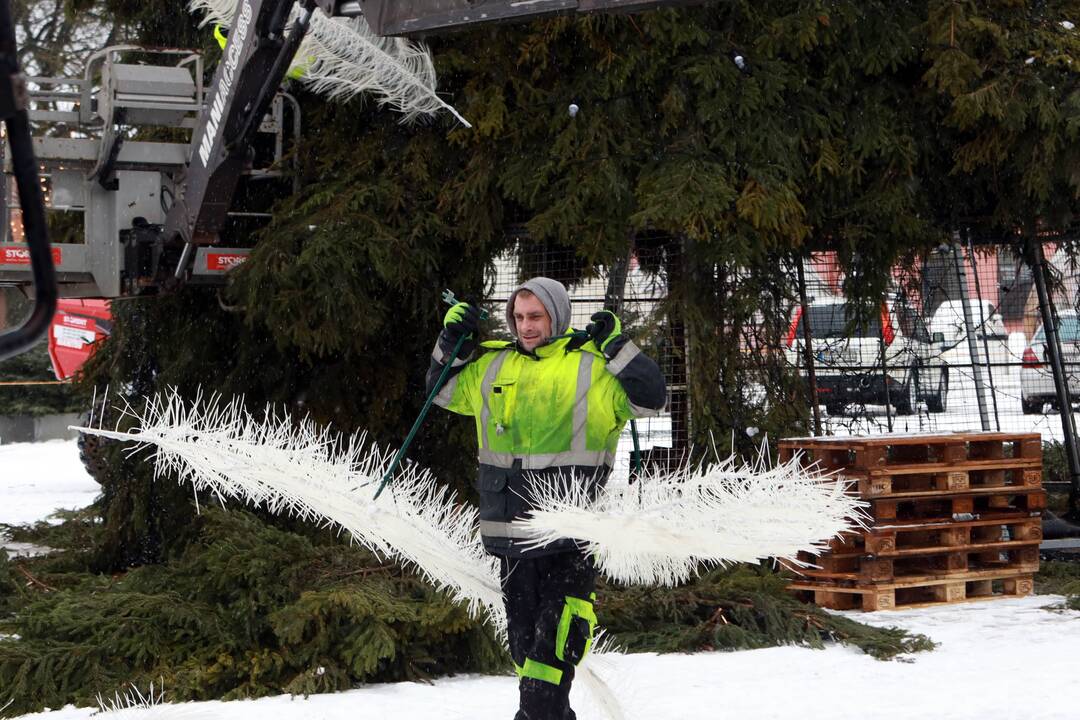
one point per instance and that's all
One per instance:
(664, 527)
(302, 470)
(342, 58)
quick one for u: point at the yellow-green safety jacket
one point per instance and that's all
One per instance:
(553, 412)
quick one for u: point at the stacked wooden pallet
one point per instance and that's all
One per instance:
(954, 517)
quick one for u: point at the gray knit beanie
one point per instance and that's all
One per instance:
(554, 297)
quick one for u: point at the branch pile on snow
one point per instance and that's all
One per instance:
(663, 528)
(342, 58)
(312, 473)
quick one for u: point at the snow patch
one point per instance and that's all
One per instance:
(37, 479)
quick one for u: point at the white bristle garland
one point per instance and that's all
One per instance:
(666, 526)
(342, 58)
(311, 473)
(134, 704)
(590, 675)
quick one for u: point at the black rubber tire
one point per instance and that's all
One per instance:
(834, 409)
(908, 402)
(90, 450)
(1031, 407)
(937, 402)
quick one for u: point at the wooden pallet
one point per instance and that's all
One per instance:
(925, 538)
(1022, 556)
(906, 454)
(918, 592)
(916, 480)
(953, 517)
(944, 506)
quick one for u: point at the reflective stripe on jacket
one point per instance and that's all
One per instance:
(540, 416)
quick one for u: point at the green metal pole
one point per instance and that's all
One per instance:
(637, 447)
(448, 297)
(420, 418)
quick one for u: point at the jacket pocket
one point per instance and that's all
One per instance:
(501, 404)
(492, 483)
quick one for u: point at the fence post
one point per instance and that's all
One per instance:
(969, 329)
(882, 348)
(808, 348)
(1037, 262)
(982, 324)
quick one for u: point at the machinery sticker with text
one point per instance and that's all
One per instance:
(21, 256)
(224, 261)
(72, 337)
(232, 59)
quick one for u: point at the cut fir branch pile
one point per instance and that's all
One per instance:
(1060, 577)
(246, 610)
(741, 608)
(249, 610)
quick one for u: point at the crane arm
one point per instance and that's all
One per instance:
(255, 61)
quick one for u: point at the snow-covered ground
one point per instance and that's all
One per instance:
(996, 659)
(37, 479)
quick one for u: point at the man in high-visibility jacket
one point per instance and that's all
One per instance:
(545, 406)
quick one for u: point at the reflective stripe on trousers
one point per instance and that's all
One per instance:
(494, 528)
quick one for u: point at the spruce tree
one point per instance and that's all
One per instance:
(733, 137)
(746, 133)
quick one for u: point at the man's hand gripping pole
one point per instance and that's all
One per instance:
(448, 297)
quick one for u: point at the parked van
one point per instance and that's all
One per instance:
(848, 357)
(990, 332)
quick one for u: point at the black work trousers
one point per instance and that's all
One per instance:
(535, 592)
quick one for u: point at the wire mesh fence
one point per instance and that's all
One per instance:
(956, 343)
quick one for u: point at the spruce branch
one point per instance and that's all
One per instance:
(31, 580)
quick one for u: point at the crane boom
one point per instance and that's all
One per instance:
(419, 18)
(134, 241)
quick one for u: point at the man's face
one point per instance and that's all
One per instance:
(532, 321)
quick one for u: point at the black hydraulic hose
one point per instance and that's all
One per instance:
(25, 169)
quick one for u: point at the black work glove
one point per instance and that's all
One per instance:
(461, 319)
(606, 333)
